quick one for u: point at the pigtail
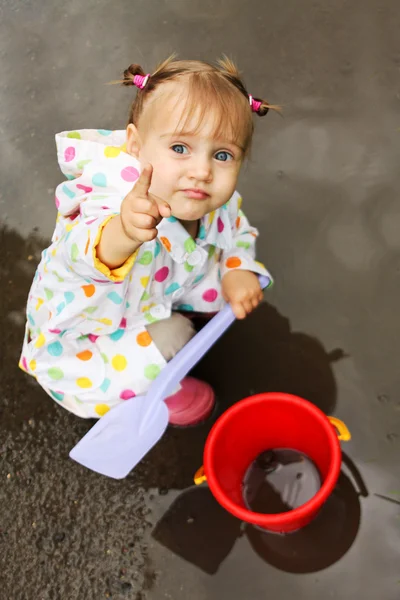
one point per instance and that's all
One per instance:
(130, 73)
(266, 106)
(232, 73)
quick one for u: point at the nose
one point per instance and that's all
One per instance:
(200, 169)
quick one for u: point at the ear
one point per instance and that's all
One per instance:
(133, 141)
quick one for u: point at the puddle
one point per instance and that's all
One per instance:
(199, 530)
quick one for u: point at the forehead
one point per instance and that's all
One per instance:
(174, 108)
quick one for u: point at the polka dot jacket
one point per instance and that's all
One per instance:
(86, 340)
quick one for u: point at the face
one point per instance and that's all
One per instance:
(195, 174)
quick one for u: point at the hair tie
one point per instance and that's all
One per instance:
(254, 104)
(141, 80)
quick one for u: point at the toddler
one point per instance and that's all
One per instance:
(149, 229)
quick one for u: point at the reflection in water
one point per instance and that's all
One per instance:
(199, 530)
(279, 480)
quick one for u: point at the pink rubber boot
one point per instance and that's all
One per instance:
(192, 404)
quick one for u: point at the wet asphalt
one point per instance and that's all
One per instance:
(322, 186)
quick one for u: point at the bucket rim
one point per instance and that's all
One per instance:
(306, 511)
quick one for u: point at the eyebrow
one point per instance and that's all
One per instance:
(188, 134)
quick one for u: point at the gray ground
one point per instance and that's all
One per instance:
(323, 188)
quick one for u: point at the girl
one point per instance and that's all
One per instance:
(149, 228)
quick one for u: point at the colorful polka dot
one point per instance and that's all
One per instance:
(99, 179)
(145, 296)
(144, 339)
(31, 320)
(233, 262)
(104, 132)
(104, 357)
(162, 274)
(237, 222)
(157, 249)
(91, 309)
(55, 349)
(84, 188)
(68, 192)
(119, 362)
(60, 308)
(69, 297)
(69, 154)
(39, 303)
(211, 251)
(59, 396)
(111, 151)
(115, 298)
(149, 318)
(57, 202)
(74, 135)
(49, 293)
(172, 288)
(152, 371)
(186, 307)
(130, 174)
(74, 253)
(41, 340)
(117, 335)
(220, 225)
(81, 163)
(211, 217)
(172, 219)
(127, 394)
(105, 385)
(92, 337)
(105, 321)
(202, 232)
(85, 355)
(144, 281)
(101, 409)
(84, 382)
(198, 279)
(189, 245)
(32, 365)
(55, 373)
(166, 243)
(88, 290)
(146, 258)
(241, 244)
(188, 268)
(24, 364)
(210, 295)
(123, 323)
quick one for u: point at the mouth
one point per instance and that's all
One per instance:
(196, 193)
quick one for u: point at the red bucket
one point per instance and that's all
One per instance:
(263, 422)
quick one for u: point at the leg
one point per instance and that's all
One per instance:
(171, 335)
(194, 402)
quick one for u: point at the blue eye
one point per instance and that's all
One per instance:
(179, 148)
(223, 156)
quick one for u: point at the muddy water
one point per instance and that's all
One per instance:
(280, 480)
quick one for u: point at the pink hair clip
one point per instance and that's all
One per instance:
(254, 104)
(141, 80)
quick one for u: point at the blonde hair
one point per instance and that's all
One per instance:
(210, 87)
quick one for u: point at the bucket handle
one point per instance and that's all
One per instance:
(200, 477)
(342, 432)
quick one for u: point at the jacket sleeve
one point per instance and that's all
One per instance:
(242, 255)
(79, 248)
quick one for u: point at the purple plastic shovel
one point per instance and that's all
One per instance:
(120, 439)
